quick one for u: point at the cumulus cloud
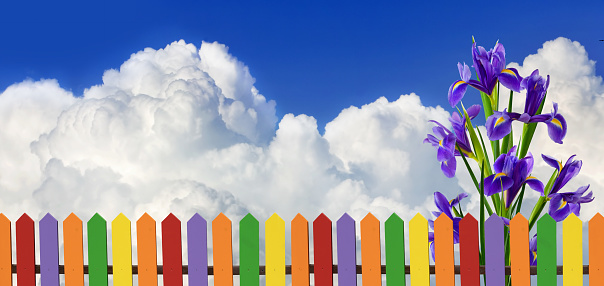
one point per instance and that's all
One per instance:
(184, 130)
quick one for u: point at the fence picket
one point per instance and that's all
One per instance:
(275, 251)
(394, 229)
(519, 251)
(249, 248)
(469, 260)
(146, 250)
(97, 251)
(26, 252)
(443, 251)
(73, 247)
(197, 242)
(223, 251)
(494, 256)
(370, 251)
(49, 251)
(300, 260)
(419, 255)
(596, 250)
(6, 252)
(171, 250)
(122, 251)
(347, 253)
(546, 251)
(323, 251)
(572, 252)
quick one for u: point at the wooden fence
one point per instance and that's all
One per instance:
(275, 269)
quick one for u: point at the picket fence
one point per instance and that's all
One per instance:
(249, 269)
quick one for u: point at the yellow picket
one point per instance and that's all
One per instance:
(275, 251)
(122, 251)
(419, 255)
(572, 252)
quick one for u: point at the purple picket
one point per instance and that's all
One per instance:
(347, 254)
(197, 240)
(49, 251)
(494, 258)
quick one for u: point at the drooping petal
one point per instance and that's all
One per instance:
(558, 208)
(535, 184)
(498, 125)
(552, 162)
(454, 202)
(442, 204)
(473, 111)
(556, 128)
(511, 79)
(448, 167)
(446, 148)
(497, 183)
(456, 92)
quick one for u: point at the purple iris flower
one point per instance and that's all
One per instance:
(536, 88)
(562, 204)
(533, 250)
(445, 206)
(444, 140)
(510, 174)
(490, 67)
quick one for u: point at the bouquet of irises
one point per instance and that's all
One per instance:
(502, 184)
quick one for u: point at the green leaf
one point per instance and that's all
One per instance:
(474, 179)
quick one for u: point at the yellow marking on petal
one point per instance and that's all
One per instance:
(458, 83)
(499, 175)
(440, 143)
(530, 177)
(560, 165)
(499, 121)
(562, 205)
(508, 71)
(557, 123)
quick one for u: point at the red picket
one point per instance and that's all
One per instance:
(323, 251)
(26, 252)
(468, 251)
(172, 250)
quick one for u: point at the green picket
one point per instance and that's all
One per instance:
(546, 251)
(97, 251)
(394, 228)
(249, 248)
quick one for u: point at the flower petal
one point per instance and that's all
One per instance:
(556, 128)
(448, 167)
(510, 79)
(552, 162)
(498, 126)
(456, 92)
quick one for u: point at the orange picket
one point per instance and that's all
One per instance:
(300, 271)
(223, 251)
(147, 250)
(370, 251)
(519, 251)
(6, 252)
(596, 250)
(443, 251)
(73, 251)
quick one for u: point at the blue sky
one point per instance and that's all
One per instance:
(311, 57)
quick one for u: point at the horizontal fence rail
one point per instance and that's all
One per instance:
(249, 269)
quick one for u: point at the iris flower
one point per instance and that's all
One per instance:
(490, 67)
(562, 204)
(510, 175)
(533, 250)
(500, 123)
(444, 141)
(445, 206)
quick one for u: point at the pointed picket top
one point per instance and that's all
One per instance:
(370, 250)
(469, 261)
(494, 258)
(443, 249)
(97, 251)
(249, 248)
(172, 250)
(6, 255)
(419, 254)
(299, 246)
(546, 251)
(275, 250)
(323, 251)
(26, 272)
(519, 250)
(49, 250)
(73, 250)
(122, 251)
(197, 242)
(346, 242)
(394, 232)
(223, 251)
(572, 252)
(146, 250)
(596, 250)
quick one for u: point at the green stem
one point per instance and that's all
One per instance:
(474, 179)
